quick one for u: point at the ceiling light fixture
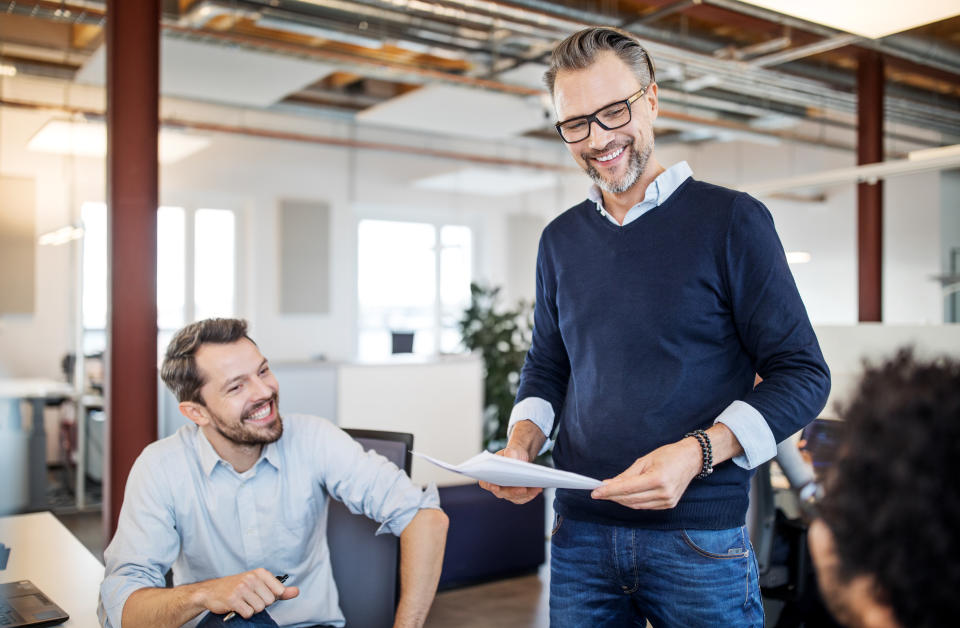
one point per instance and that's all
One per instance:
(488, 181)
(89, 139)
(934, 159)
(882, 18)
(60, 236)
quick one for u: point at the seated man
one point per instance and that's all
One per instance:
(887, 550)
(239, 499)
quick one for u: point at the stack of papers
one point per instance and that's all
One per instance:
(511, 472)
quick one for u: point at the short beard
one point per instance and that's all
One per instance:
(638, 163)
(240, 434)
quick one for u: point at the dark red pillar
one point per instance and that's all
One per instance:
(133, 77)
(870, 195)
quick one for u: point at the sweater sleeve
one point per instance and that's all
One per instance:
(772, 322)
(546, 370)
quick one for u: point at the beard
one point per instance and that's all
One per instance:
(240, 433)
(635, 167)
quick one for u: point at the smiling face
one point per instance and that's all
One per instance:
(239, 412)
(616, 160)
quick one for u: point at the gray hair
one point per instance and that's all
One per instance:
(179, 370)
(580, 50)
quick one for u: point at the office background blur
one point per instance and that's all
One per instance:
(338, 172)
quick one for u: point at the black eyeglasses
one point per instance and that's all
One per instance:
(610, 117)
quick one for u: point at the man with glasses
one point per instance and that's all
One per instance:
(658, 300)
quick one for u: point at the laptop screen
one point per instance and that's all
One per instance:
(821, 441)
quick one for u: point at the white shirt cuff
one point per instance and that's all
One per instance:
(537, 410)
(753, 433)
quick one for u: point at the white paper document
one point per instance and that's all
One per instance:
(510, 472)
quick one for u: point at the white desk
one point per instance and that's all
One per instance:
(44, 551)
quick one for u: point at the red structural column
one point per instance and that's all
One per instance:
(870, 195)
(133, 75)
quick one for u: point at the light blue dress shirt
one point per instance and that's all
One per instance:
(187, 508)
(746, 423)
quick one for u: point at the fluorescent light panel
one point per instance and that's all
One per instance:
(89, 139)
(488, 181)
(60, 236)
(873, 19)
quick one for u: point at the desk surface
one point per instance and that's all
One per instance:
(44, 551)
(33, 387)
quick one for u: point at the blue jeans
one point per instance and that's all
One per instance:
(604, 575)
(259, 620)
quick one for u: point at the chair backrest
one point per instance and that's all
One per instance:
(366, 567)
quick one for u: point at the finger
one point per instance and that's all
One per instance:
(244, 610)
(516, 454)
(275, 586)
(260, 596)
(289, 593)
(621, 486)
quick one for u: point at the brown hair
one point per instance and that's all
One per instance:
(580, 50)
(179, 370)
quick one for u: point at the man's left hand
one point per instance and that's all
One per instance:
(656, 481)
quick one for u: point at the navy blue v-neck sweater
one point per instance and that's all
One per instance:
(658, 326)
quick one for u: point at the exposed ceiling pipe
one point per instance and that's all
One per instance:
(322, 140)
(660, 13)
(802, 52)
(898, 45)
(374, 67)
(754, 50)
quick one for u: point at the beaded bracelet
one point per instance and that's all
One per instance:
(706, 449)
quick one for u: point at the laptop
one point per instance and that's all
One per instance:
(822, 440)
(23, 604)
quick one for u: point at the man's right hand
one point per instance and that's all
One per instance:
(246, 593)
(516, 494)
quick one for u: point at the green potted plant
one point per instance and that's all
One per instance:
(502, 336)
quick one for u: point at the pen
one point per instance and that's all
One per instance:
(233, 614)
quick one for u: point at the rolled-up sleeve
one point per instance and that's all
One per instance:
(145, 545)
(369, 484)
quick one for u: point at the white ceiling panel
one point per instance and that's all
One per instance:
(459, 111)
(201, 71)
(528, 75)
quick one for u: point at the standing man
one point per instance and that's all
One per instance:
(240, 497)
(658, 300)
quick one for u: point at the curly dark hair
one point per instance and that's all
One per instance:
(892, 497)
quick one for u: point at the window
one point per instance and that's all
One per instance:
(185, 291)
(412, 278)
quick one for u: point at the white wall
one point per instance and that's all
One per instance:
(252, 174)
(949, 221)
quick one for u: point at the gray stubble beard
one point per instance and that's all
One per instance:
(638, 163)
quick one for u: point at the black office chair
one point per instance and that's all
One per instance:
(366, 567)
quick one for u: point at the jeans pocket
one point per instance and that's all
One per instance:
(718, 544)
(557, 522)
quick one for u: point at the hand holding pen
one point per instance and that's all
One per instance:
(254, 589)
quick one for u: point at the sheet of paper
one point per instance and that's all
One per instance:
(510, 472)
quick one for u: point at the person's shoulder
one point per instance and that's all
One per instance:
(569, 219)
(715, 193)
(717, 198)
(175, 445)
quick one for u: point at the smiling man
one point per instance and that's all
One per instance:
(239, 498)
(659, 298)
